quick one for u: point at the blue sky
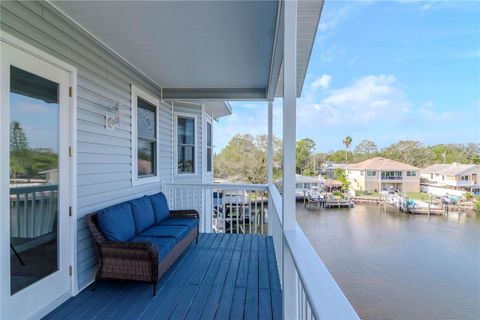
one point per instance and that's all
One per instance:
(385, 71)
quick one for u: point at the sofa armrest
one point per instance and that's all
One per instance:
(130, 250)
(184, 214)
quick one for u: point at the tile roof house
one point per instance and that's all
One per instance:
(380, 174)
(457, 176)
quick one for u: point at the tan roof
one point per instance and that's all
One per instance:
(450, 169)
(379, 163)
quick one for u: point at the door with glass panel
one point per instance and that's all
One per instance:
(35, 230)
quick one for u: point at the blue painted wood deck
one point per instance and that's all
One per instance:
(224, 276)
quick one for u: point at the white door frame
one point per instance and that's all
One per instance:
(71, 166)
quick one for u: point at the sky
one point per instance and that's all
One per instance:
(384, 71)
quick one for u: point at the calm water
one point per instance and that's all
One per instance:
(397, 266)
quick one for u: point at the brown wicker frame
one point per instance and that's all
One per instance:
(136, 261)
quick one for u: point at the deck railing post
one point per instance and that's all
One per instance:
(289, 275)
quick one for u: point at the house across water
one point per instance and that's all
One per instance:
(378, 174)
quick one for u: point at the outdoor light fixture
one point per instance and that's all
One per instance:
(112, 119)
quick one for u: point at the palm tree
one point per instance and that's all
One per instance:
(347, 142)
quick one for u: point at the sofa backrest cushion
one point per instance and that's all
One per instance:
(116, 222)
(160, 207)
(142, 212)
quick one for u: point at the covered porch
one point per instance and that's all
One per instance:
(224, 276)
(252, 260)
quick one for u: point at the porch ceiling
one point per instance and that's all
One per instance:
(199, 49)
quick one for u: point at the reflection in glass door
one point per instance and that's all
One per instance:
(34, 178)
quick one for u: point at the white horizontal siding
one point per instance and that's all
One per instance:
(104, 157)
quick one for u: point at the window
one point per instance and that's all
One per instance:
(391, 175)
(464, 178)
(144, 137)
(371, 173)
(185, 145)
(411, 173)
(209, 146)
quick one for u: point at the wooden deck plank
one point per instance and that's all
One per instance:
(213, 299)
(223, 276)
(203, 291)
(265, 304)
(201, 282)
(242, 275)
(175, 286)
(238, 303)
(225, 304)
(251, 299)
(263, 273)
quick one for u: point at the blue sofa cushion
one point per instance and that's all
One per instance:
(142, 212)
(116, 222)
(177, 232)
(164, 245)
(180, 222)
(160, 207)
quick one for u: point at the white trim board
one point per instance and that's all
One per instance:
(136, 93)
(175, 140)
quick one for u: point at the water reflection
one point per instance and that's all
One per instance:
(397, 266)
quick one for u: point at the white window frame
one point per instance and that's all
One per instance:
(136, 93)
(208, 120)
(195, 144)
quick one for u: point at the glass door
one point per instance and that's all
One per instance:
(36, 180)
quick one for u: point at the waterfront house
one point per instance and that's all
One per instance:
(119, 97)
(378, 174)
(455, 176)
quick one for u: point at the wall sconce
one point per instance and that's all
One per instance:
(112, 119)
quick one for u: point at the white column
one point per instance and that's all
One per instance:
(289, 275)
(270, 143)
(289, 113)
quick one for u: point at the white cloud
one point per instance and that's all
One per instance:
(368, 100)
(323, 82)
(331, 53)
(428, 113)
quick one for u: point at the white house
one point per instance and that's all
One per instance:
(122, 97)
(454, 176)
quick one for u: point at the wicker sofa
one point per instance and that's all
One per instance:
(140, 239)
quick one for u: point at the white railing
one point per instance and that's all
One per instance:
(223, 208)
(315, 294)
(257, 209)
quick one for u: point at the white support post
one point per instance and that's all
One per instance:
(289, 113)
(270, 143)
(289, 275)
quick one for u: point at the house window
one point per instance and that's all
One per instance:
(391, 175)
(371, 173)
(464, 178)
(209, 146)
(144, 137)
(411, 173)
(185, 144)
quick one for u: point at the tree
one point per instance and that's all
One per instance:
(410, 152)
(18, 138)
(366, 148)
(245, 159)
(304, 148)
(347, 141)
(341, 176)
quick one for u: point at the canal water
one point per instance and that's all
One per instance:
(392, 265)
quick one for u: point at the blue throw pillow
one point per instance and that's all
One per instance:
(142, 212)
(116, 222)
(160, 207)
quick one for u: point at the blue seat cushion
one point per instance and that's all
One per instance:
(142, 212)
(180, 222)
(177, 232)
(164, 245)
(160, 207)
(116, 222)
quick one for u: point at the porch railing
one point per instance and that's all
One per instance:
(223, 208)
(315, 295)
(33, 210)
(257, 209)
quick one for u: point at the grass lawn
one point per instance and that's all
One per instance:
(418, 196)
(369, 194)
